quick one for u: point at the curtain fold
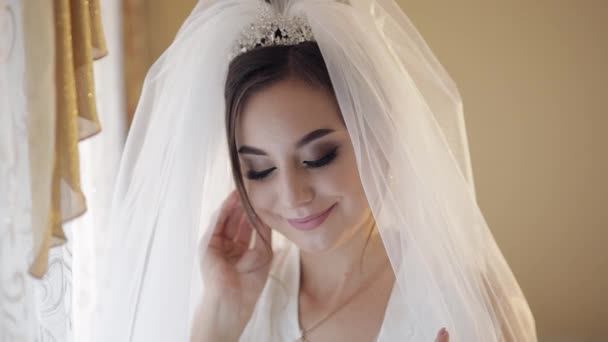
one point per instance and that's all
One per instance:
(79, 41)
(47, 106)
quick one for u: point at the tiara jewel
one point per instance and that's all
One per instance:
(272, 29)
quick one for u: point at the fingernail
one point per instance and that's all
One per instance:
(443, 332)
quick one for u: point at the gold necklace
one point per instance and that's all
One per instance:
(366, 286)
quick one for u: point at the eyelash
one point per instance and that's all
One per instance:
(324, 161)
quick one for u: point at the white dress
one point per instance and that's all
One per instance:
(275, 317)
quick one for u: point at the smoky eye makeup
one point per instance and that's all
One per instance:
(258, 175)
(256, 171)
(326, 155)
(322, 155)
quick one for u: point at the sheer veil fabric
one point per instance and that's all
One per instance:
(404, 115)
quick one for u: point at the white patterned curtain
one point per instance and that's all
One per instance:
(54, 297)
(57, 307)
(17, 314)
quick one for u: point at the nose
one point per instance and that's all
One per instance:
(296, 190)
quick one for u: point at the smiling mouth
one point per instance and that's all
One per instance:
(312, 221)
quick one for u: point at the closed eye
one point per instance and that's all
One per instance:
(259, 175)
(325, 160)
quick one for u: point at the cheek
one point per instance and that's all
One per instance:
(346, 183)
(257, 193)
(343, 179)
(262, 198)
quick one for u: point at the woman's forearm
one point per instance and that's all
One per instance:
(214, 323)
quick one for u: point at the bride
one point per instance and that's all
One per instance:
(333, 144)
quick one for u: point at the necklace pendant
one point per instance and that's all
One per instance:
(302, 337)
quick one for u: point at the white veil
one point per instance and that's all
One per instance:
(404, 115)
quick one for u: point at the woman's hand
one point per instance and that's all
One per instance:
(233, 274)
(442, 336)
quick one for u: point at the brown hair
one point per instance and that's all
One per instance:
(256, 70)
(260, 68)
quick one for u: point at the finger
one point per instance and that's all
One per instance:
(231, 228)
(245, 231)
(225, 211)
(263, 236)
(443, 336)
(219, 221)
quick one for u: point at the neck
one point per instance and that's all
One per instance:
(325, 275)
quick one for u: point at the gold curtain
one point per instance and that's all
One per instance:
(137, 55)
(78, 42)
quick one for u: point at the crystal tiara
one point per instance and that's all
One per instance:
(272, 29)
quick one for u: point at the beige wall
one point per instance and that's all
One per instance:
(534, 78)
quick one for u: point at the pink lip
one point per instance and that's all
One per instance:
(311, 222)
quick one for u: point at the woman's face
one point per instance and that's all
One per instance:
(299, 167)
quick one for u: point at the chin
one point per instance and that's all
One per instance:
(322, 239)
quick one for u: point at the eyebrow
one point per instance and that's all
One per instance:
(308, 138)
